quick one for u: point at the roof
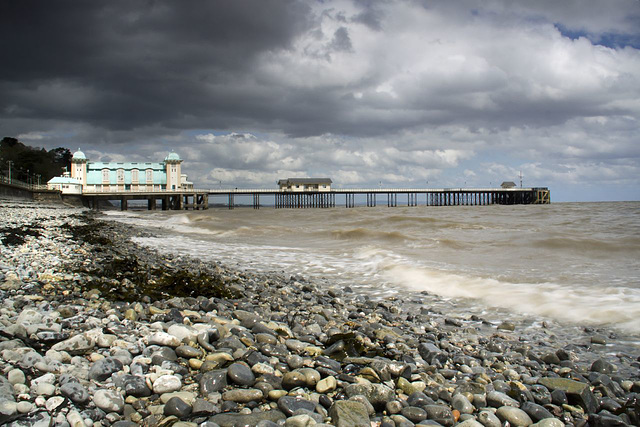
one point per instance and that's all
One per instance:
(79, 155)
(508, 184)
(305, 181)
(172, 157)
(63, 180)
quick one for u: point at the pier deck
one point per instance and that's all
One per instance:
(415, 197)
(199, 199)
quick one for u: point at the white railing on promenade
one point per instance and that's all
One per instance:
(22, 184)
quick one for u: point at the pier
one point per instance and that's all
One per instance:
(390, 196)
(282, 199)
(165, 200)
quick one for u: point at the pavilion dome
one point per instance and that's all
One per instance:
(172, 157)
(79, 155)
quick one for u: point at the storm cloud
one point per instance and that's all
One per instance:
(395, 92)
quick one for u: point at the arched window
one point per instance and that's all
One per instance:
(105, 176)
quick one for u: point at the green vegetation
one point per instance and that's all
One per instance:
(27, 163)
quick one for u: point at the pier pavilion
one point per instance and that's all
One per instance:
(112, 177)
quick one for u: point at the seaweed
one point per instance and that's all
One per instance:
(121, 275)
(15, 236)
(91, 233)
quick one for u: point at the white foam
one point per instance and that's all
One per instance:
(613, 306)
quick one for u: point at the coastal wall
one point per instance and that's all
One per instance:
(50, 196)
(47, 196)
(7, 190)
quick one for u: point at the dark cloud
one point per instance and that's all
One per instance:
(404, 88)
(124, 64)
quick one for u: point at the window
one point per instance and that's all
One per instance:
(105, 175)
(149, 176)
(120, 175)
(134, 175)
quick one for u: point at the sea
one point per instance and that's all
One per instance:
(567, 266)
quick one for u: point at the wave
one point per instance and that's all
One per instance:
(626, 245)
(366, 234)
(607, 305)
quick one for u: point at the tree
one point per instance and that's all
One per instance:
(35, 160)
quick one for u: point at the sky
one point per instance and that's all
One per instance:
(370, 93)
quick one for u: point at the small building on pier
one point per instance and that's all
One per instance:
(65, 184)
(305, 184)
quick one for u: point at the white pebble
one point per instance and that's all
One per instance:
(16, 376)
(24, 407)
(45, 389)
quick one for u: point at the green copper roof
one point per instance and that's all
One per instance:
(79, 155)
(172, 156)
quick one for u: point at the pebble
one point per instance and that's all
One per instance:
(177, 407)
(108, 400)
(16, 376)
(241, 374)
(349, 413)
(243, 395)
(514, 416)
(167, 384)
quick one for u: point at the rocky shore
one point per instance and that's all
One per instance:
(95, 330)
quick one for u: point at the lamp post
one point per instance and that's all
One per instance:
(10, 163)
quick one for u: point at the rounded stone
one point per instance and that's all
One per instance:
(54, 403)
(262, 369)
(178, 407)
(102, 369)
(164, 339)
(514, 416)
(167, 384)
(45, 389)
(326, 385)
(498, 399)
(414, 414)
(293, 379)
(241, 374)
(108, 400)
(136, 386)
(75, 392)
(188, 352)
(462, 404)
(489, 419)
(24, 407)
(243, 395)
(549, 422)
(16, 376)
(393, 407)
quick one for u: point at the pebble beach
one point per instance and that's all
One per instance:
(96, 330)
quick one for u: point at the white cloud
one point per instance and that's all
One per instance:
(31, 136)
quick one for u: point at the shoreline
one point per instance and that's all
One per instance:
(203, 344)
